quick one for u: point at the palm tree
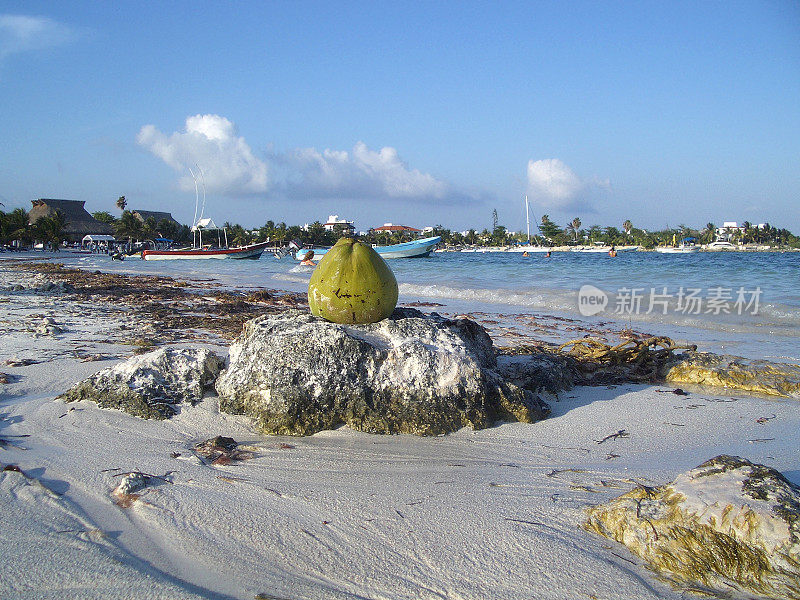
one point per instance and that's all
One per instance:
(128, 226)
(710, 233)
(15, 226)
(122, 203)
(627, 226)
(149, 228)
(747, 232)
(50, 229)
(239, 236)
(575, 227)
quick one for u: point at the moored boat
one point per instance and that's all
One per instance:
(686, 246)
(591, 249)
(676, 249)
(528, 248)
(412, 249)
(252, 251)
(199, 250)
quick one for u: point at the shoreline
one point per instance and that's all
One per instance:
(339, 514)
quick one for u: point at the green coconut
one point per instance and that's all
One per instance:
(352, 284)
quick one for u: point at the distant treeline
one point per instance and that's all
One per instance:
(14, 227)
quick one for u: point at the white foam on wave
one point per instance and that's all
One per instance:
(292, 278)
(539, 299)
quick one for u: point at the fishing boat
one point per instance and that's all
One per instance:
(412, 249)
(529, 248)
(252, 251)
(199, 250)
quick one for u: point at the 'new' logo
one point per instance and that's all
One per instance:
(591, 300)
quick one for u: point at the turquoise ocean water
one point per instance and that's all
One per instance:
(731, 302)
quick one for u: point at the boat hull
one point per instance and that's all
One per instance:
(414, 249)
(591, 249)
(681, 250)
(252, 251)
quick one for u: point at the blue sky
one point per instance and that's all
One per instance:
(419, 113)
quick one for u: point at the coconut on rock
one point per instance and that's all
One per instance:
(352, 284)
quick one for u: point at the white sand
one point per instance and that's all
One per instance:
(487, 514)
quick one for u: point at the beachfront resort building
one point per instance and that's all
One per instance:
(334, 223)
(731, 228)
(78, 222)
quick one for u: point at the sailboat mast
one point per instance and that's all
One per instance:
(528, 220)
(196, 196)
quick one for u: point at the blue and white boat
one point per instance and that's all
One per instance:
(412, 249)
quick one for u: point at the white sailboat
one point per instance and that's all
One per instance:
(529, 247)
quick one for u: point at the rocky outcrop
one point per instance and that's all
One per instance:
(539, 370)
(735, 373)
(726, 524)
(297, 374)
(149, 384)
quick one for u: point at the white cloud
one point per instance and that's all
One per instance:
(554, 185)
(210, 142)
(230, 168)
(20, 33)
(362, 173)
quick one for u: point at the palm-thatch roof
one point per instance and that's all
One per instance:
(157, 216)
(78, 221)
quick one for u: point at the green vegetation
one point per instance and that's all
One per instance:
(14, 228)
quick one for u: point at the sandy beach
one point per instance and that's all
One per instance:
(495, 513)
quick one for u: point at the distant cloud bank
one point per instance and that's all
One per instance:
(362, 173)
(20, 33)
(555, 186)
(230, 167)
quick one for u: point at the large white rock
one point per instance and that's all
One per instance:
(727, 524)
(411, 373)
(147, 385)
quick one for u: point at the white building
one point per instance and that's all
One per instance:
(334, 221)
(725, 233)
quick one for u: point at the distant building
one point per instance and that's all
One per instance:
(78, 222)
(394, 228)
(729, 228)
(157, 216)
(334, 223)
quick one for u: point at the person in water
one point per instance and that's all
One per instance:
(307, 259)
(613, 252)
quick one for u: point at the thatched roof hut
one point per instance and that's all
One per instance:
(157, 216)
(78, 221)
